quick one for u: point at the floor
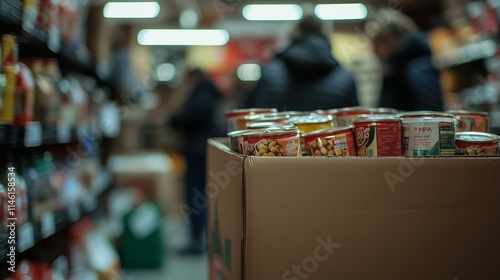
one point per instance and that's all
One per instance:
(175, 267)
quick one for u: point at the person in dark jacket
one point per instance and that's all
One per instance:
(196, 119)
(411, 82)
(305, 76)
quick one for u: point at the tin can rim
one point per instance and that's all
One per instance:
(328, 130)
(487, 137)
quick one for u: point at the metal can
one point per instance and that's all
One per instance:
(429, 135)
(236, 140)
(272, 143)
(471, 121)
(310, 123)
(477, 144)
(280, 117)
(262, 125)
(346, 116)
(235, 119)
(378, 137)
(337, 142)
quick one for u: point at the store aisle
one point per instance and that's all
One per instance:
(175, 267)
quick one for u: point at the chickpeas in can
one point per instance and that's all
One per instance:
(337, 142)
(272, 143)
(310, 123)
(477, 144)
(471, 121)
(378, 137)
(235, 119)
(428, 135)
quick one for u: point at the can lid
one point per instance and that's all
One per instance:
(260, 125)
(472, 136)
(238, 133)
(430, 114)
(275, 115)
(311, 118)
(376, 118)
(271, 131)
(328, 131)
(365, 109)
(465, 112)
(249, 111)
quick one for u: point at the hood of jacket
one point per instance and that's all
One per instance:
(309, 56)
(409, 48)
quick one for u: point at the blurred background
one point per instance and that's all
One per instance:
(100, 164)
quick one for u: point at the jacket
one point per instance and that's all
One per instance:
(411, 82)
(304, 77)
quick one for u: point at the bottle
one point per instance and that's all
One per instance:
(53, 76)
(9, 63)
(25, 96)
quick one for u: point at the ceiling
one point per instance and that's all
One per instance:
(215, 11)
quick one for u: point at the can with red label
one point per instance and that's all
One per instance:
(346, 116)
(236, 118)
(331, 142)
(477, 144)
(471, 121)
(236, 139)
(279, 142)
(378, 137)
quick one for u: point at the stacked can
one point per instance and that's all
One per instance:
(471, 120)
(236, 118)
(310, 123)
(333, 142)
(428, 134)
(378, 136)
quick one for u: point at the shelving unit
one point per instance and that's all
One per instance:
(466, 54)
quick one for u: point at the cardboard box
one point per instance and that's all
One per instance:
(352, 218)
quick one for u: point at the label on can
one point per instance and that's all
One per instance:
(271, 145)
(378, 139)
(472, 122)
(337, 144)
(477, 144)
(428, 137)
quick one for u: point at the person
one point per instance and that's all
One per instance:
(196, 119)
(305, 76)
(410, 82)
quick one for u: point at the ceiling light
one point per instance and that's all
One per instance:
(272, 12)
(165, 72)
(249, 72)
(131, 10)
(183, 37)
(341, 11)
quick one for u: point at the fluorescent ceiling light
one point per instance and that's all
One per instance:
(272, 12)
(165, 72)
(131, 10)
(341, 11)
(249, 72)
(183, 37)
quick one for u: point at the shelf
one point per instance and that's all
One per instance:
(466, 54)
(34, 135)
(38, 43)
(32, 233)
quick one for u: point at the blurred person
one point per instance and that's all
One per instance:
(410, 82)
(305, 76)
(196, 120)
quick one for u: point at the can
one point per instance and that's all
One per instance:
(471, 120)
(346, 116)
(236, 140)
(477, 144)
(272, 143)
(235, 119)
(274, 117)
(429, 136)
(378, 137)
(310, 123)
(337, 142)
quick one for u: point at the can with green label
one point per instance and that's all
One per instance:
(428, 135)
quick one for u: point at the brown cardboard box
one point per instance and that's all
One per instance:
(352, 218)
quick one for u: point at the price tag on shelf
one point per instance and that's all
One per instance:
(33, 134)
(25, 237)
(48, 224)
(63, 133)
(74, 212)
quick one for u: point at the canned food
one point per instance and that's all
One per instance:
(331, 142)
(428, 136)
(471, 121)
(422, 114)
(310, 123)
(271, 143)
(262, 125)
(477, 143)
(236, 118)
(378, 137)
(346, 116)
(236, 140)
(274, 117)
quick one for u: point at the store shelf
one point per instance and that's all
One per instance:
(466, 54)
(32, 233)
(34, 135)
